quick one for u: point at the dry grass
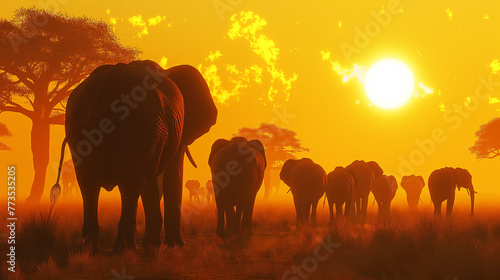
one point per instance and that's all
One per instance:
(411, 246)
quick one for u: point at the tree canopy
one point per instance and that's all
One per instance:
(280, 143)
(487, 143)
(4, 132)
(43, 57)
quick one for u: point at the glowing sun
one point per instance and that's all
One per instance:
(389, 83)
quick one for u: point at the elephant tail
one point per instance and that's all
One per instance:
(324, 201)
(55, 191)
(421, 200)
(190, 157)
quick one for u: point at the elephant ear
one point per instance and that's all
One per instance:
(258, 145)
(393, 181)
(286, 171)
(403, 182)
(377, 170)
(200, 112)
(421, 179)
(216, 146)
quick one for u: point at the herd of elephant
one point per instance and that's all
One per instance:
(127, 125)
(347, 188)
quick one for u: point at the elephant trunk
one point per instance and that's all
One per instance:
(472, 196)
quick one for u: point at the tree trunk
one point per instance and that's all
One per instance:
(40, 138)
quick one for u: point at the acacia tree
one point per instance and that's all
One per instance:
(43, 56)
(487, 143)
(4, 132)
(281, 144)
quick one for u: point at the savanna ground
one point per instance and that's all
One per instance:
(411, 246)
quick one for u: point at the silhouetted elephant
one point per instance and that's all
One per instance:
(125, 125)
(237, 172)
(413, 186)
(339, 191)
(194, 190)
(364, 176)
(442, 183)
(384, 189)
(307, 181)
(377, 170)
(210, 190)
(68, 178)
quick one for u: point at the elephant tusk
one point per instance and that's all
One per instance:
(190, 157)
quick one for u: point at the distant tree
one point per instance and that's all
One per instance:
(4, 132)
(487, 144)
(281, 144)
(43, 56)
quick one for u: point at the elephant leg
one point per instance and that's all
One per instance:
(347, 209)
(364, 208)
(314, 206)
(230, 220)
(125, 238)
(338, 211)
(151, 203)
(172, 191)
(449, 205)
(358, 206)
(238, 225)
(220, 222)
(299, 210)
(246, 222)
(437, 208)
(330, 208)
(90, 195)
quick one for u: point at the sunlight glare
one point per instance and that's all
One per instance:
(389, 83)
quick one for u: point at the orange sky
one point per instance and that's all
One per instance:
(266, 59)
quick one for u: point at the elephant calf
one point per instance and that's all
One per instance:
(384, 189)
(339, 191)
(307, 181)
(237, 172)
(413, 186)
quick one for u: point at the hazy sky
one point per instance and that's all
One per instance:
(299, 64)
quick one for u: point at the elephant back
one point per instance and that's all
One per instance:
(237, 168)
(307, 179)
(339, 183)
(412, 184)
(384, 188)
(145, 117)
(442, 182)
(363, 177)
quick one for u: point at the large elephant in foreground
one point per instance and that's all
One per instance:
(413, 186)
(364, 176)
(237, 172)
(125, 125)
(442, 183)
(307, 181)
(339, 191)
(384, 189)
